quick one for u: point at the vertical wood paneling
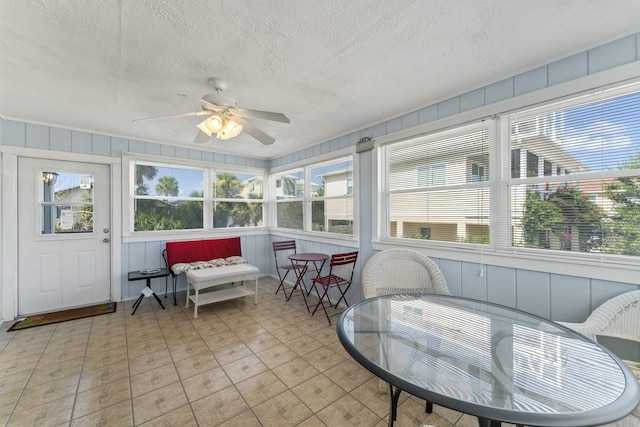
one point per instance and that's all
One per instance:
(501, 285)
(533, 293)
(570, 297)
(473, 284)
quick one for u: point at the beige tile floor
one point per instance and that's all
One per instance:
(238, 364)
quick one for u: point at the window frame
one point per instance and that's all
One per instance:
(129, 160)
(385, 193)
(572, 179)
(308, 197)
(500, 252)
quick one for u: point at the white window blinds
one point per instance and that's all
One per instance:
(437, 187)
(575, 174)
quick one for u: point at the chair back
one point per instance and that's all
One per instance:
(284, 245)
(281, 250)
(402, 271)
(345, 260)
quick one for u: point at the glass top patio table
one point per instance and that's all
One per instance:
(488, 360)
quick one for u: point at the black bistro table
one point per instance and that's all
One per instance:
(147, 275)
(496, 363)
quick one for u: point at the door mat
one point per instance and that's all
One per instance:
(63, 316)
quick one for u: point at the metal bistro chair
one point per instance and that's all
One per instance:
(340, 276)
(281, 250)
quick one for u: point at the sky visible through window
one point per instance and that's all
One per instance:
(602, 133)
(66, 181)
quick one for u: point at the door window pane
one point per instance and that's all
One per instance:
(66, 203)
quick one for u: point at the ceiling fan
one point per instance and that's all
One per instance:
(225, 119)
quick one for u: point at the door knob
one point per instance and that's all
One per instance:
(106, 230)
(106, 240)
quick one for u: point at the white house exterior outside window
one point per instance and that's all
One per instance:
(580, 190)
(437, 186)
(561, 177)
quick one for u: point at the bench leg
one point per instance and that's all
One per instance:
(256, 293)
(187, 305)
(195, 305)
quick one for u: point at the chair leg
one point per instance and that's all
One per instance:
(175, 285)
(281, 285)
(321, 303)
(342, 295)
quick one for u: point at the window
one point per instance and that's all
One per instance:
(167, 197)
(477, 172)
(66, 203)
(332, 202)
(425, 233)
(289, 197)
(237, 200)
(317, 198)
(173, 197)
(430, 175)
(570, 182)
(437, 187)
(581, 191)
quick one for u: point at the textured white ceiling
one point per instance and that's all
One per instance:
(331, 66)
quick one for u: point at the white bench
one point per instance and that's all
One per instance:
(211, 277)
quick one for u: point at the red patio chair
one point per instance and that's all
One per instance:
(340, 276)
(281, 250)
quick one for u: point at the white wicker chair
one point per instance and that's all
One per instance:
(402, 271)
(618, 317)
(394, 271)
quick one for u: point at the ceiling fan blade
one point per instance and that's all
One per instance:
(170, 116)
(265, 115)
(254, 131)
(201, 138)
(199, 99)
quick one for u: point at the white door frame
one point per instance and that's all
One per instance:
(9, 212)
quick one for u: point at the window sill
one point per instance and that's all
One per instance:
(596, 266)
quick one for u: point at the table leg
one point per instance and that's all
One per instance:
(299, 283)
(141, 297)
(137, 303)
(158, 299)
(318, 270)
(485, 422)
(393, 411)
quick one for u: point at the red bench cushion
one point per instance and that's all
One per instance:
(202, 250)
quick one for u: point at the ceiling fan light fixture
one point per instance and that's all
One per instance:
(203, 127)
(230, 130)
(214, 123)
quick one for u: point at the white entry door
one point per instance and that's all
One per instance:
(64, 249)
